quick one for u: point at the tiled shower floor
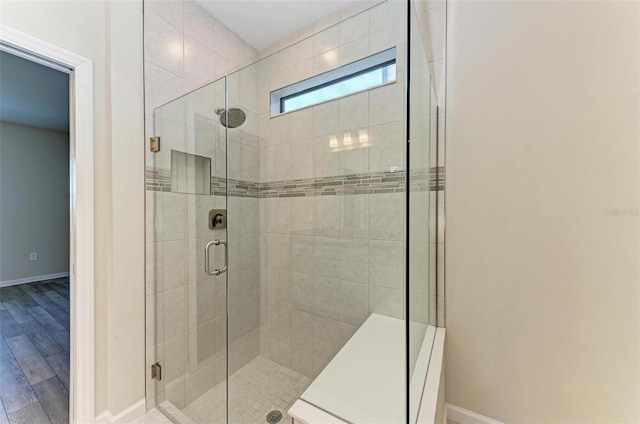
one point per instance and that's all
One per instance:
(254, 390)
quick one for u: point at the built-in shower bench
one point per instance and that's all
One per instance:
(364, 382)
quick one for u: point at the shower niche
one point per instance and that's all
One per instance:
(190, 174)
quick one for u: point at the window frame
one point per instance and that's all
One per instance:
(371, 63)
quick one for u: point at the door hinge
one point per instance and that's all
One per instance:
(154, 144)
(156, 371)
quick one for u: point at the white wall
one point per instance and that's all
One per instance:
(109, 33)
(543, 135)
(34, 202)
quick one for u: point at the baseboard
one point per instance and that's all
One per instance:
(33, 279)
(463, 416)
(130, 414)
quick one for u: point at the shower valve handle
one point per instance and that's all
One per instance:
(217, 219)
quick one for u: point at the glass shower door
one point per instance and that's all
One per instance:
(251, 388)
(188, 257)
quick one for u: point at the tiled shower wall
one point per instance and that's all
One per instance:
(330, 259)
(432, 22)
(185, 47)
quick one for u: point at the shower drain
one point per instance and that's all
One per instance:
(274, 417)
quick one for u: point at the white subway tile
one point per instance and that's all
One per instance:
(199, 24)
(169, 10)
(354, 28)
(163, 43)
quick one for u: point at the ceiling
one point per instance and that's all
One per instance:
(262, 23)
(32, 94)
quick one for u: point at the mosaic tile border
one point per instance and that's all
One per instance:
(365, 183)
(158, 179)
(436, 178)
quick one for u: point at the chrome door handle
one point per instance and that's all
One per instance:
(207, 267)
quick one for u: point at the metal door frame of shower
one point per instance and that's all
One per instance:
(81, 176)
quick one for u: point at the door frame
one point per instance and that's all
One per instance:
(81, 187)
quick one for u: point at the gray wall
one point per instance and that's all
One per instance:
(34, 202)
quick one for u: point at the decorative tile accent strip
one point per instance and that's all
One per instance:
(366, 183)
(382, 182)
(237, 188)
(158, 179)
(436, 177)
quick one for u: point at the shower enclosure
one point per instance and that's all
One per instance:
(276, 234)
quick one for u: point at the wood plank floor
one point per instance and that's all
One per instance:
(34, 353)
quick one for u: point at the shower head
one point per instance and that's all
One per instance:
(235, 116)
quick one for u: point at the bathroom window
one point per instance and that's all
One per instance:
(365, 74)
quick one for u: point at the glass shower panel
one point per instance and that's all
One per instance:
(333, 207)
(251, 392)
(422, 126)
(190, 304)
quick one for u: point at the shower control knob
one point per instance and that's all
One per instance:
(217, 219)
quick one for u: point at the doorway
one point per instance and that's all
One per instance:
(80, 406)
(34, 252)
